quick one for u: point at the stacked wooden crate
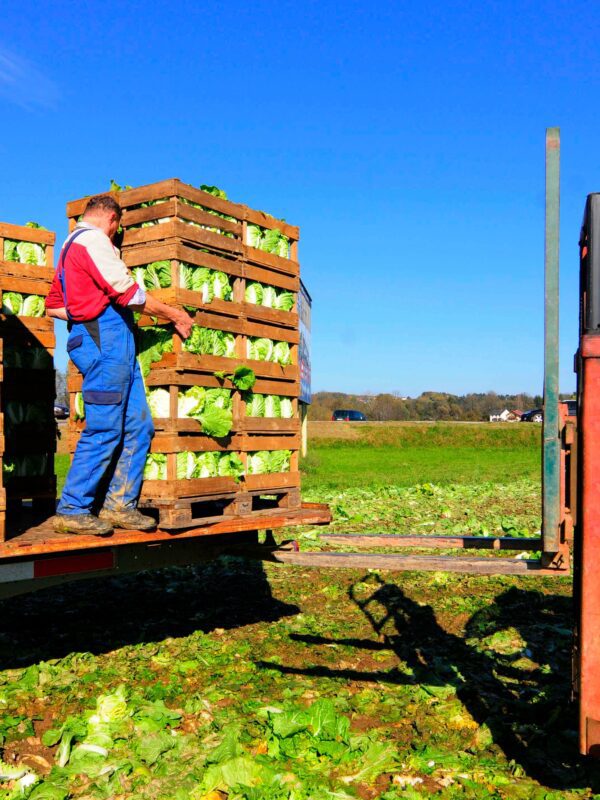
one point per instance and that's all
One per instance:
(192, 229)
(27, 388)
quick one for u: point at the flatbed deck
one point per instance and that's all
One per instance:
(32, 537)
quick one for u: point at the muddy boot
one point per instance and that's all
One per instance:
(83, 524)
(130, 519)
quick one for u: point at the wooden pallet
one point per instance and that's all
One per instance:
(209, 510)
(22, 233)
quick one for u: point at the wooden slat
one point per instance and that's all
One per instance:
(168, 377)
(24, 284)
(266, 221)
(269, 425)
(397, 562)
(273, 316)
(253, 272)
(189, 362)
(274, 332)
(192, 488)
(24, 234)
(75, 208)
(182, 443)
(176, 229)
(14, 269)
(274, 262)
(278, 480)
(183, 211)
(173, 249)
(392, 540)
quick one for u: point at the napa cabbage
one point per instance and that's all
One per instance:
(153, 342)
(156, 467)
(284, 301)
(264, 462)
(272, 406)
(159, 402)
(206, 341)
(286, 408)
(260, 349)
(208, 464)
(282, 354)
(269, 297)
(255, 405)
(190, 401)
(33, 306)
(221, 286)
(156, 275)
(186, 466)
(12, 303)
(79, 406)
(230, 464)
(254, 293)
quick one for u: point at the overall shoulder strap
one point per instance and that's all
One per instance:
(61, 266)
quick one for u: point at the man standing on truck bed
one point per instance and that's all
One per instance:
(95, 292)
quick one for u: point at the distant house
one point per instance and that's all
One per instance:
(506, 416)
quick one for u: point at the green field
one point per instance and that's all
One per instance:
(242, 681)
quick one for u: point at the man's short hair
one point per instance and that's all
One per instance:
(103, 203)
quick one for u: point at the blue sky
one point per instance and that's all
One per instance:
(405, 139)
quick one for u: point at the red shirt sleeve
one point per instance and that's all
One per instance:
(55, 297)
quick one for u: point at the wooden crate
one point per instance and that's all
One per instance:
(174, 189)
(174, 192)
(22, 233)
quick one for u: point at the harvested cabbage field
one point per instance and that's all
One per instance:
(238, 680)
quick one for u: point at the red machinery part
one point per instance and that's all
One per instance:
(588, 545)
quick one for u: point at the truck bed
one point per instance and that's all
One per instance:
(32, 537)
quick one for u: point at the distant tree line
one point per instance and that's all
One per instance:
(427, 406)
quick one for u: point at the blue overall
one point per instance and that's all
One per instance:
(118, 425)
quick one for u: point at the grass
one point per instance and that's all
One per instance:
(415, 453)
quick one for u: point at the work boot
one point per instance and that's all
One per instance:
(130, 519)
(83, 524)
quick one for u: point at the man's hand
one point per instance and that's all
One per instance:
(156, 308)
(58, 313)
(182, 321)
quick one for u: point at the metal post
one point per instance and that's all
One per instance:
(551, 436)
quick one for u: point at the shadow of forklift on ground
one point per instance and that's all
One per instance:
(511, 671)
